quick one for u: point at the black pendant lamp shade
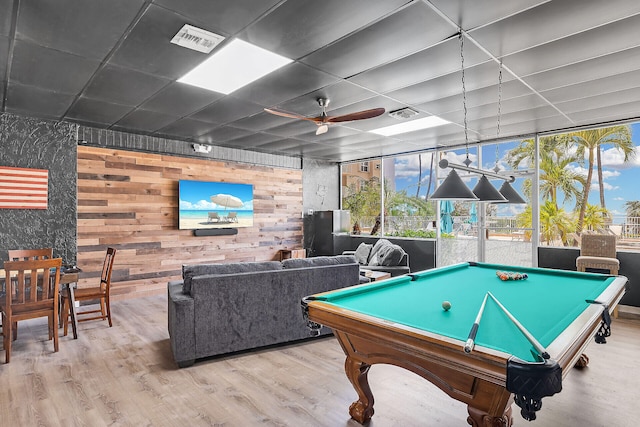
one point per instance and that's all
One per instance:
(511, 194)
(453, 188)
(486, 192)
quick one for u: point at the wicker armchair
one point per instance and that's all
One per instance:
(598, 251)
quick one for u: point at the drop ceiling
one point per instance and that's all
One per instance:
(110, 64)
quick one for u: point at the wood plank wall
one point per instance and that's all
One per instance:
(129, 200)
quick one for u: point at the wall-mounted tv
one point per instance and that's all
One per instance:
(205, 204)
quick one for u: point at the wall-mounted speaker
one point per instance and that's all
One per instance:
(215, 231)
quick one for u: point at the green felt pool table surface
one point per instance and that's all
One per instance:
(545, 303)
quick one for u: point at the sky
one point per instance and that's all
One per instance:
(620, 180)
(196, 195)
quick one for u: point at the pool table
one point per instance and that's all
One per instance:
(401, 321)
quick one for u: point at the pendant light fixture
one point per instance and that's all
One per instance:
(485, 192)
(453, 188)
(509, 194)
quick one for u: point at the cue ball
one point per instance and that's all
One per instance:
(446, 305)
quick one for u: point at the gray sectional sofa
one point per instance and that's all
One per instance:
(223, 308)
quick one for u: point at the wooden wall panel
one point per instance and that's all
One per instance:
(129, 200)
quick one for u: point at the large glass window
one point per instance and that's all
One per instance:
(586, 184)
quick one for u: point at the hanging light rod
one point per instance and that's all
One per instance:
(444, 163)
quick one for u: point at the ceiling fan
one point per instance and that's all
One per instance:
(323, 120)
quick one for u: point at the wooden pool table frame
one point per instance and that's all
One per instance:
(477, 379)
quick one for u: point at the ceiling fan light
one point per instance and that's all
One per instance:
(453, 188)
(487, 192)
(511, 194)
(322, 129)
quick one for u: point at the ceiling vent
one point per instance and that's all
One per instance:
(403, 114)
(196, 39)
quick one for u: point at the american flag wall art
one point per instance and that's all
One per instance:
(23, 188)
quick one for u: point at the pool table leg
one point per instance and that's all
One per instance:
(362, 409)
(479, 418)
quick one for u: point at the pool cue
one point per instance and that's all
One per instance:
(539, 348)
(474, 329)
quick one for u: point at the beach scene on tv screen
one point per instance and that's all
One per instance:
(215, 205)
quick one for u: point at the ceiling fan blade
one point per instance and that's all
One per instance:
(322, 129)
(360, 115)
(289, 115)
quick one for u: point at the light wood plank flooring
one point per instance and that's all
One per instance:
(125, 376)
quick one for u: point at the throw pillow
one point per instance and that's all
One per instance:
(362, 253)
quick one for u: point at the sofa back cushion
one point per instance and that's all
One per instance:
(192, 270)
(385, 253)
(318, 261)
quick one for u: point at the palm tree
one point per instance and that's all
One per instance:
(632, 207)
(590, 142)
(555, 175)
(595, 217)
(555, 223)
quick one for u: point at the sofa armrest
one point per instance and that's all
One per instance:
(181, 320)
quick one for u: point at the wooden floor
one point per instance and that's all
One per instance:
(125, 376)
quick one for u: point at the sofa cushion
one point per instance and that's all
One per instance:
(318, 261)
(362, 253)
(390, 255)
(385, 253)
(192, 270)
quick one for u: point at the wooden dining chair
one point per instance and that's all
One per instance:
(30, 254)
(26, 255)
(100, 293)
(31, 291)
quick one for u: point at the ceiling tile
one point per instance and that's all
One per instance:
(50, 69)
(550, 21)
(42, 103)
(227, 109)
(393, 37)
(428, 64)
(223, 134)
(227, 17)
(616, 83)
(145, 121)
(624, 34)
(148, 46)
(123, 86)
(95, 111)
(594, 69)
(86, 28)
(297, 28)
(476, 77)
(5, 18)
(187, 128)
(180, 99)
(283, 84)
(470, 14)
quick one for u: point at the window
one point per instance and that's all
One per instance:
(364, 167)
